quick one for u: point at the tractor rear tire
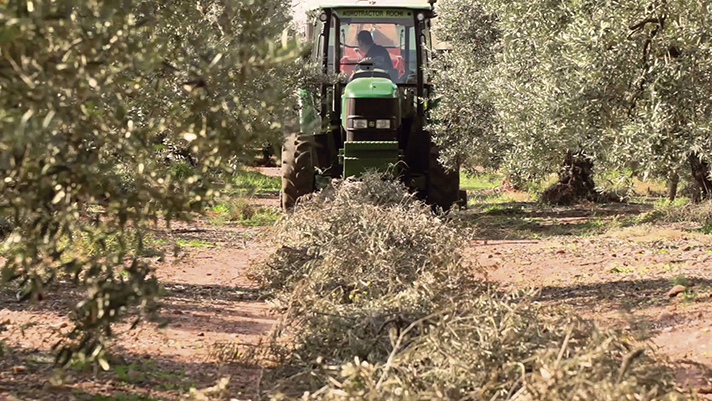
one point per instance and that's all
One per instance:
(443, 184)
(297, 169)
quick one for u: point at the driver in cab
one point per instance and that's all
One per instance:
(377, 54)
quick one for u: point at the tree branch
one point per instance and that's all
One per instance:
(651, 20)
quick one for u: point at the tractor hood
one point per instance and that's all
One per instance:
(372, 87)
(370, 98)
(373, 102)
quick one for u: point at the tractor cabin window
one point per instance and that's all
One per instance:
(396, 35)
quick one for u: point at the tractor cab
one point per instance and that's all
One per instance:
(394, 33)
(370, 112)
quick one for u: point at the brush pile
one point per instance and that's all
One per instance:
(379, 304)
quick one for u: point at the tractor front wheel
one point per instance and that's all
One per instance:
(443, 184)
(297, 169)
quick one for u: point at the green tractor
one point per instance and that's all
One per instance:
(373, 115)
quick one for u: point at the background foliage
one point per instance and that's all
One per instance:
(624, 82)
(97, 100)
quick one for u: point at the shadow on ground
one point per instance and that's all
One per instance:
(632, 293)
(62, 295)
(31, 374)
(187, 307)
(28, 373)
(531, 220)
(630, 296)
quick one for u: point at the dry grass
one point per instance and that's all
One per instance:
(496, 347)
(698, 213)
(378, 305)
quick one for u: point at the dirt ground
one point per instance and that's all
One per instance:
(621, 277)
(210, 305)
(212, 309)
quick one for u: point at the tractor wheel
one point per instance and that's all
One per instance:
(297, 169)
(443, 184)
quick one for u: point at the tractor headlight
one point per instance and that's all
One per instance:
(358, 123)
(383, 124)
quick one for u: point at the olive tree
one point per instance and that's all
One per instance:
(91, 92)
(615, 83)
(463, 119)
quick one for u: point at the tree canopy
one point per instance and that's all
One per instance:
(95, 97)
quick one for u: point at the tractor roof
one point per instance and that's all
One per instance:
(410, 4)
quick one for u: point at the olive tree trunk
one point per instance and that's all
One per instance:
(575, 183)
(673, 183)
(701, 177)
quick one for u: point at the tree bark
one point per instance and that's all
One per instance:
(673, 182)
(701, 177)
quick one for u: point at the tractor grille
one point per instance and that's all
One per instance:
(372, 109)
